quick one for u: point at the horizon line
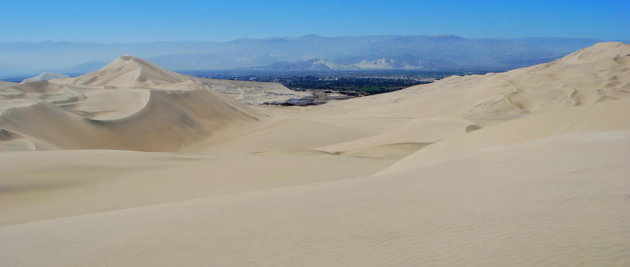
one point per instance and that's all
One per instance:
(312, 35)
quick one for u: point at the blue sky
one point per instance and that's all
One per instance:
(144, 21)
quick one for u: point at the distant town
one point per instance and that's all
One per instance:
(337, 84)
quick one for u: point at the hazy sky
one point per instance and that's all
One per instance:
(154, 20)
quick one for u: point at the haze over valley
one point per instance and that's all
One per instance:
(310, 52)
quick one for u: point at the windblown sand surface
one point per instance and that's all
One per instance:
(134, 165)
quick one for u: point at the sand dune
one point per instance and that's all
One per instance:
(608, 116)
(141, 178)
(490, 209)
(422, 131)
(527, 167)
(130, 104)
(133, 72)
(281, 134)
(128, 71)
(5, 83)
(10, 141)
(166, 122)
(580, 78)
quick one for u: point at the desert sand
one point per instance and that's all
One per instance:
(134, 165)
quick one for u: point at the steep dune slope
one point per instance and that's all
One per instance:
(130, 104)
(591, 75)
(596, 74)
(168, 121)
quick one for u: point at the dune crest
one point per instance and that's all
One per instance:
(130, 72)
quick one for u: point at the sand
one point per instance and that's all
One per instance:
(134, 165)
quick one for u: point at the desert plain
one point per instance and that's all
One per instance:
(135, 165)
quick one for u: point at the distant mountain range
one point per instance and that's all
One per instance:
(309, 52)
